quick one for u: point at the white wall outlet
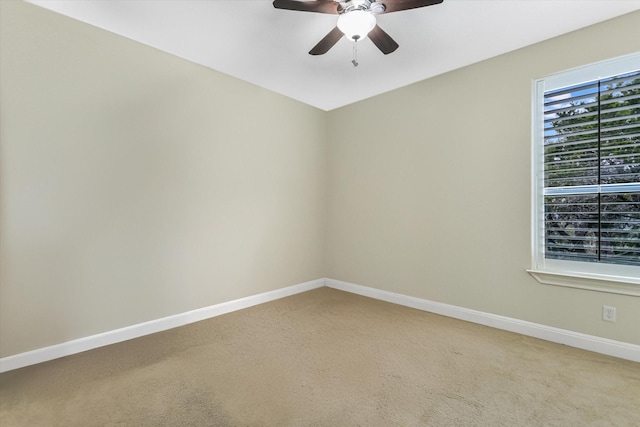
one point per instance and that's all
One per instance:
(608, 313)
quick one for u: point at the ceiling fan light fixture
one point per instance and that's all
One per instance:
(356, 24)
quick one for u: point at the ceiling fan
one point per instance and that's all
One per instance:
(356, 19)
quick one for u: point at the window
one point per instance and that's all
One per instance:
(586, 166)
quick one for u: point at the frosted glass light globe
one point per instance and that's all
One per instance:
(356, 24)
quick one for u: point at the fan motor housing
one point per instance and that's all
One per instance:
(350, 5)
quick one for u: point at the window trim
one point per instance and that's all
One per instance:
(611, 278)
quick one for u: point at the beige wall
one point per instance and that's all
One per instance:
(135, 185)
(429, 188)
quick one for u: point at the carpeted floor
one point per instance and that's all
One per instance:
(326, 358)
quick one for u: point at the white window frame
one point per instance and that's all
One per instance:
(613, 278)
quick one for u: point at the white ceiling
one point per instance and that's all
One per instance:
(255, 42)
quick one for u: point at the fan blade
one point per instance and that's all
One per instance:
(382, 40)
(327, 42)
(320, 6)
(398, 5)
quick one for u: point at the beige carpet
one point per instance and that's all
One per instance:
(326, 358)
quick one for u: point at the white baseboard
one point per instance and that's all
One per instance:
(606, 346)
(135, 331)
(574, 339)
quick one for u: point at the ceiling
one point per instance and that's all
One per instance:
(253, 41)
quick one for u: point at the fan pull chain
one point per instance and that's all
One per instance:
(355, 51)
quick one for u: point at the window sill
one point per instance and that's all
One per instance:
(590, 282)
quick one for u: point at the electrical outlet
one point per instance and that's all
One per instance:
(608, 313)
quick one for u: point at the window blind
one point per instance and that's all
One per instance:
(592, 171)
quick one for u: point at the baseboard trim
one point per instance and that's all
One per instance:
(135, 331)
(574, 339)
(606, 346)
